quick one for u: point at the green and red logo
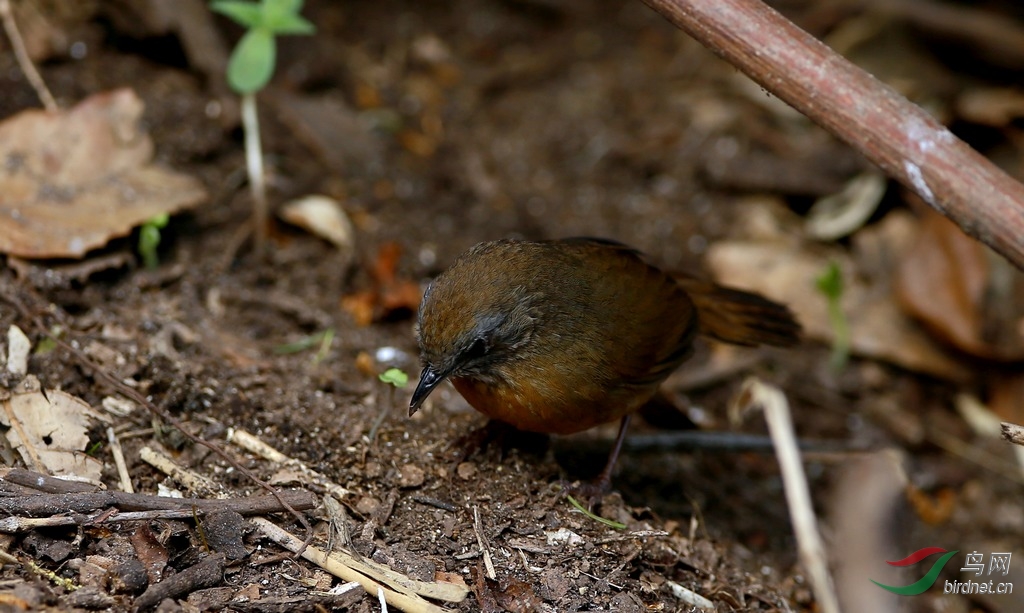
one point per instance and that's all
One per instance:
(921, 585)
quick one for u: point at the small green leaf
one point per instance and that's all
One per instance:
(49, 342)
(291, 24)
(394, 376)
(252, 61)
(159, 221)
(248, 14)
(275, 10)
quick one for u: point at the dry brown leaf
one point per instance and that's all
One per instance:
(73, 180)
(962, 291)
(49, 431)
(323, 217)
(150, 551)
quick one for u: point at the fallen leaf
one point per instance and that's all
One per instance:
(965, 293)
(150, 551)
(73, 180)
(323, 217)
(50, 431)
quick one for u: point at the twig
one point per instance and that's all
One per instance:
(339, 532)
(13, 525)
(24, 61)
(689, 597)
(207, 573)
(192, 480)
(449, 592)
(45, 483)
(1013, 433)
(253, 444)
(85, 502)
(754, 393)
(901, 138)
(434, 502)
(483, 544)
(122, 468)
(347, 571)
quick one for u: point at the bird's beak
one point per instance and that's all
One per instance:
(429, 379)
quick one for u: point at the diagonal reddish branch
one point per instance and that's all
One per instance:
(901, 138)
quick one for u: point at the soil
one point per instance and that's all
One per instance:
(469, 121)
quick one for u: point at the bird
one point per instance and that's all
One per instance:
(559, 336)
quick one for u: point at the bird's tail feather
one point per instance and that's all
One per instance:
(739, 317)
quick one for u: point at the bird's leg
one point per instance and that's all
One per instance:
(604, 480)
(592, 491)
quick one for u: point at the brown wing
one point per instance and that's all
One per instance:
(647, 322)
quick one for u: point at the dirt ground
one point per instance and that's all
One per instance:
(436, 126)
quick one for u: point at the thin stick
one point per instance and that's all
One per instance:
(901, 138)
(798, 495)
(13, 525)
(1013, 433)
(406, 602)
(87, 502)
(483, 544)
(24, 61)
(192, 480)
(122, 468)
(689, 597)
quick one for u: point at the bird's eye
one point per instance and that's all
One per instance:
(477, 350)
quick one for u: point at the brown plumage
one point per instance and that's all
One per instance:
(560, 336)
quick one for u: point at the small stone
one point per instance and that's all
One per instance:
(411, 475)
(373, 470)
(367, 505)
(466, 470)
(129, 577)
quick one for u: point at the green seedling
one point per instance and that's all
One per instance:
(249, 70)
(830, 284)
(394, 376)
(149, 239)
